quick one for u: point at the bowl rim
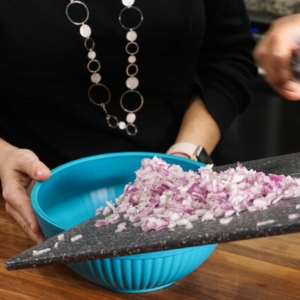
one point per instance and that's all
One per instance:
(38, 185)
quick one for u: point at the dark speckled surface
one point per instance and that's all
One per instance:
(104, 242)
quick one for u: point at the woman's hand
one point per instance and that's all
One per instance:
(19, 168)
(274, 54)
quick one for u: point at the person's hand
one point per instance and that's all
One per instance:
(19, 168)
(274, 52)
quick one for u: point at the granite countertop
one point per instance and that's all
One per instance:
(276, 7)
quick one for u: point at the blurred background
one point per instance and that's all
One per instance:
(271, 125)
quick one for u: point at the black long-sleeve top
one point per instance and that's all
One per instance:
(186, 47)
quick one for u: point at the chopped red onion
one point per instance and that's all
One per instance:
(106, 210)
(225, 220)
(121, 227)
(189, 225)
(182, 222)
(100, 223)
(165, 196)
(111, 205)
(76, 237)
(61, 237)
(265, 222)
(297, 206)
(294, 216)
(39, 252)
(99, 210)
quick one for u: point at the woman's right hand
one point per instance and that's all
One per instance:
(274, 54)
(19, 168)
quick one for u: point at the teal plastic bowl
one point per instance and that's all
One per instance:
(73, 193)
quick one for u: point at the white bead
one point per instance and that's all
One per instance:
(128, 2)
(131, 35)
(92, 55)
(130, 118)
(96, 78)
(132, 83)
(132, 59)
(122, 125)
(85, 30)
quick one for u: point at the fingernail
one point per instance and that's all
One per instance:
(275, 53)
(291, 86)
(40, 172)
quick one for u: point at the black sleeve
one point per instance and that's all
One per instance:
(225, 66)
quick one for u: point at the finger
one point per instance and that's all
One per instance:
(37, 237)
(262, 57)
(287, 94)
(260, 53)
(29, 163)
(279, 64)
(30, 187)
(291, 90)
(278, 71)
(15, 195)
(274, 54)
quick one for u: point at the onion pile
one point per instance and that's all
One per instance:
(164, 196)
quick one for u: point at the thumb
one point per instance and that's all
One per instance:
(42, 172)
(34, 168)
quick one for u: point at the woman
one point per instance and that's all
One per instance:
(91, 77)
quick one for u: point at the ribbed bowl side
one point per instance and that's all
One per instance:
(130, 275)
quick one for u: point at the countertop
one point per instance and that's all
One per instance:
(261, 268)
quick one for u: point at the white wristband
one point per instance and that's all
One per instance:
(193, 151)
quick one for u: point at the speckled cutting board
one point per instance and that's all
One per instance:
(103, 242)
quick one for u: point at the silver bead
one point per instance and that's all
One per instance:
(128, 2)
(130, 118)
(122, 125)
(92, 55)
(132, 83)
(132, 59)
(96, 78)
(131, 36)
(85, 30)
